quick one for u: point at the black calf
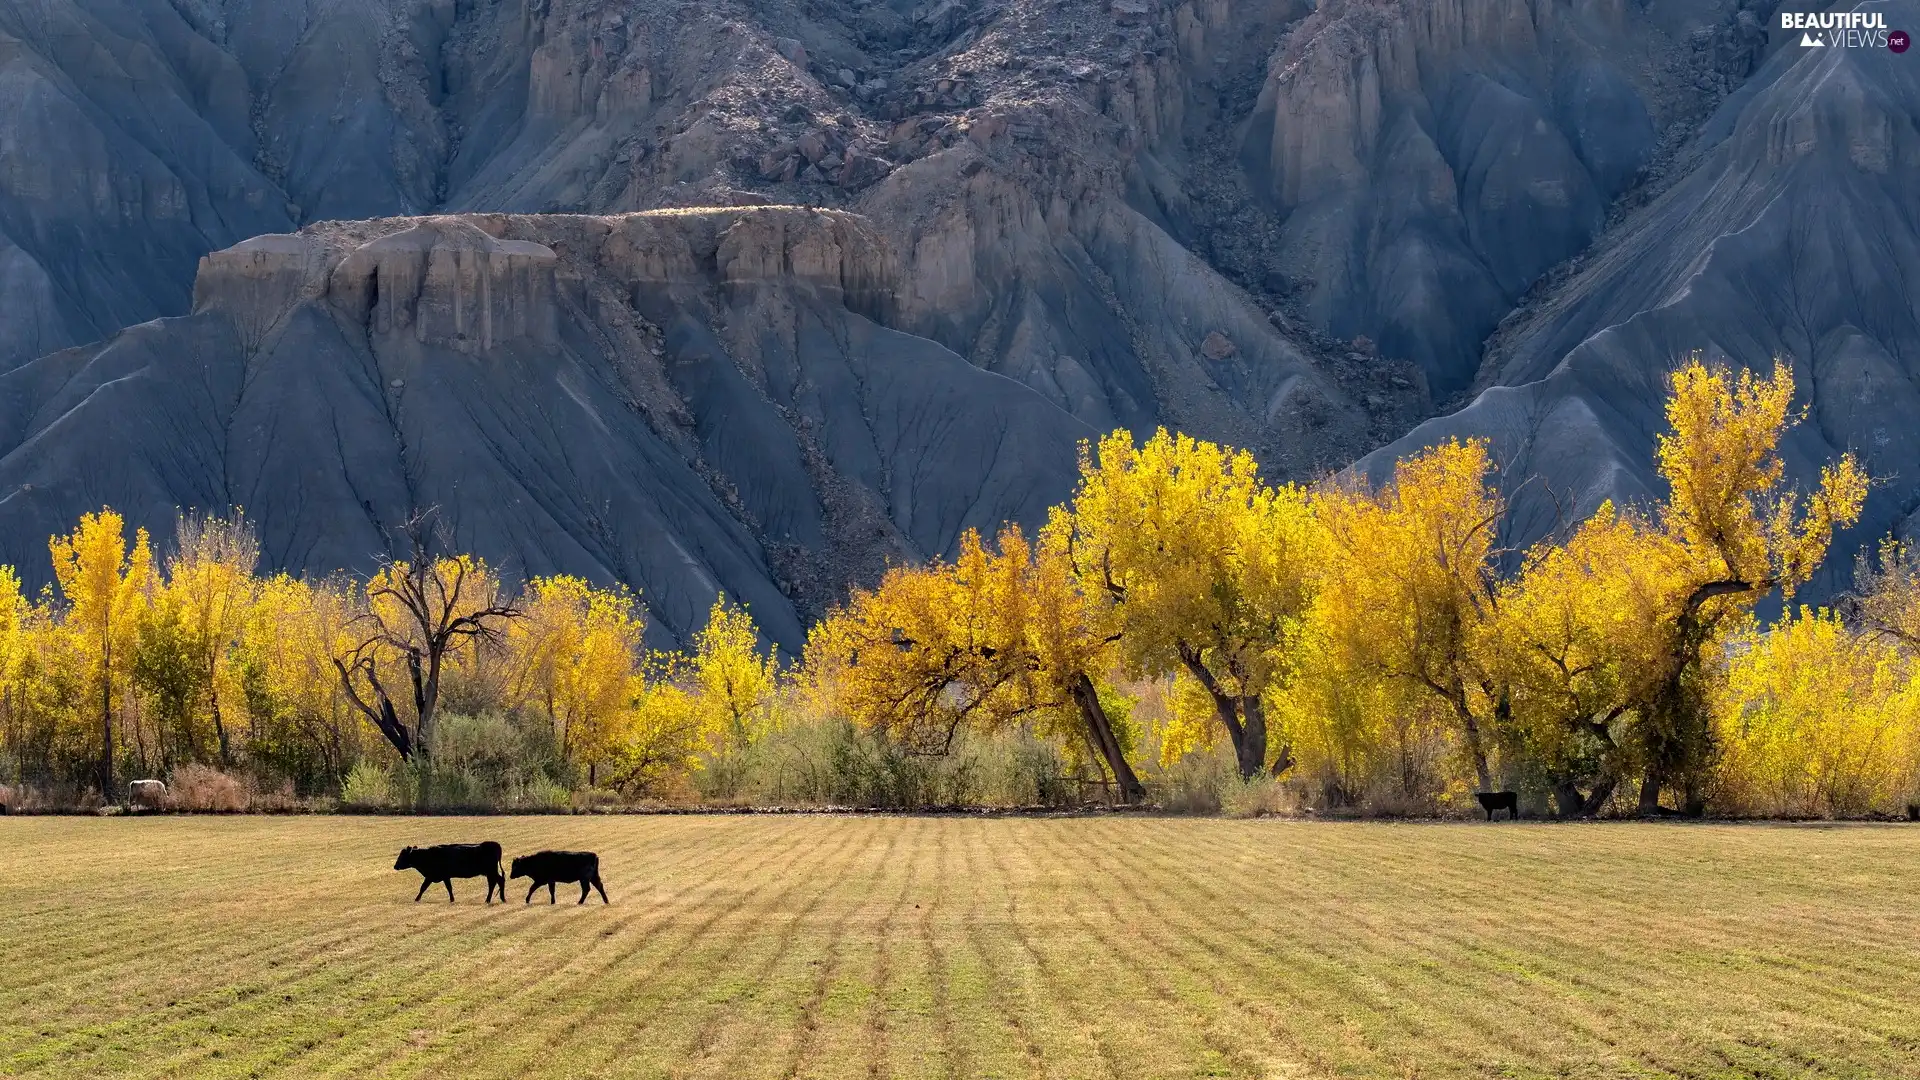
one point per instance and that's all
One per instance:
(549, 867)
(444, 862)
(1499, 800)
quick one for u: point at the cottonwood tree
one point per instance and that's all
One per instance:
(1413, 587)
(21, 641)
(419, 612)
(996, 636)
(1577, 635)
(1815, 720)
(1742, 535)
(195, 624)
(1886, 594)
(300, 720)
(1198, 567)
(105, 587)
(576, 653)
(736, 683)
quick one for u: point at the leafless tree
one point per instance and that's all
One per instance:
(420, 609)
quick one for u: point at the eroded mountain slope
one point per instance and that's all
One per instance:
(687, 401)
(1281, 225)
(1791, 234)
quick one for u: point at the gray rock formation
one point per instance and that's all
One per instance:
(1282, 224)
(686, 401)
(1435, 157)
(1791, 233)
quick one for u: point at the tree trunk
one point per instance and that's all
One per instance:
(106, 723)
(1252, 751)
(1479, 752)
(1101, 729)
(1227, 709)
(1650, 792)
(1567, 800)
(220, 727)
(1598, 797)
(426, 696)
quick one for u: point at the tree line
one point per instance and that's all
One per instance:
(1380, 647)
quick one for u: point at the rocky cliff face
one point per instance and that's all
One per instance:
(1788, 232)
(755, 294)
(690, 401)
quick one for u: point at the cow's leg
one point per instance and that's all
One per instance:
(424, 883)
(584, 889)
(551, 894)
(602, 888)
(531, 889)
(448, 882)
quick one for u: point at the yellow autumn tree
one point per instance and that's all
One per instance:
(1741, 535)
(194, 626)
(737, 685)
(1201, 568)
(1886, 600)
(663, 734)
(19, 673)
(1577, 638)
(1412, 586)
(105, 587)
(999, 635)
(577, 652)
(1816, 721)
(300, 722)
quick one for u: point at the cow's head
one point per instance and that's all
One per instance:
(516, 870)
(405, 861)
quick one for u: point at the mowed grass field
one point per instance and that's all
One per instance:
(822, 946)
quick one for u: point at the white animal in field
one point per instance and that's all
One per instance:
(146, 795)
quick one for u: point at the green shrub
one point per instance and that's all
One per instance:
(370, 787)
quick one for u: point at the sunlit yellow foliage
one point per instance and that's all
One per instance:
(1741, 535)
(298, 719)
(737, 685)
(1190, 726)
(1815, 721)
(577, 653)
(1003, 634)
(1887, 587)
(1726, 504)
(106, 588)
(1413, 585)
(190, 630)
(1579, 640)
(931, 647)
(1202, 569)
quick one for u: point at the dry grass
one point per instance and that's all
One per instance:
(943, 947)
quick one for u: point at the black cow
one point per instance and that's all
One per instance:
(549, 867)
(444, 862)
(1499, 800)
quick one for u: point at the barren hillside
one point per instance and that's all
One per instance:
(941, 242)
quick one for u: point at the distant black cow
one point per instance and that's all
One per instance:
(548, 867)
(1499, 800)
(444, 862)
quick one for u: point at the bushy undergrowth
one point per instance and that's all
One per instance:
(831, 763)
(205, 789)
